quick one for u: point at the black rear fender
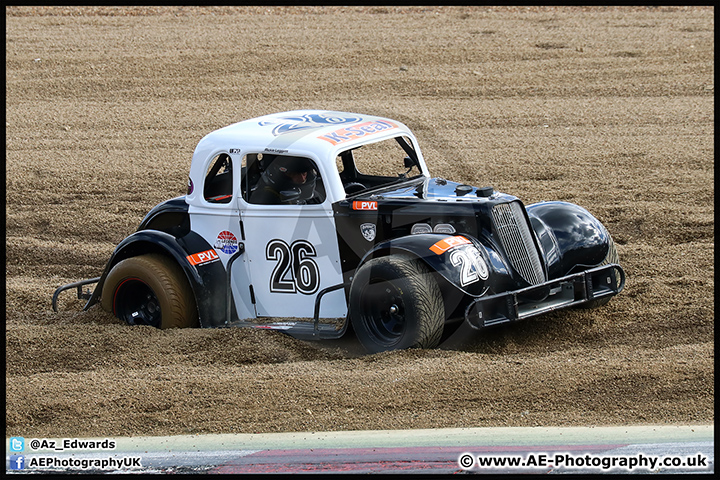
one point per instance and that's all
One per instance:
(198, 260)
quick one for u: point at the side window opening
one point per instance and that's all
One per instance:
(282, 180)
(251, 171)
(218, 186)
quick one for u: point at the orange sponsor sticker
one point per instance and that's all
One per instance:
(202, 257)
(447, 243)
(356, 131)
(364, 205)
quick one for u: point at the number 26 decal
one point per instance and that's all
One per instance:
(295, 270)
(472, 266)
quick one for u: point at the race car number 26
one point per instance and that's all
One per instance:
(295, 270)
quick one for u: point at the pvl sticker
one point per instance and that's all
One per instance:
(448, 243)
(203, 257)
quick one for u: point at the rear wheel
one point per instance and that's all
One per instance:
(395, 303)
(150, 290)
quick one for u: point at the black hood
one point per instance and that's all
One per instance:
(432, 189)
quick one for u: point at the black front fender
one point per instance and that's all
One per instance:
(571, 237)
(459, 259)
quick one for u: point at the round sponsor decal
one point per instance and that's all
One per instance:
(226, 242)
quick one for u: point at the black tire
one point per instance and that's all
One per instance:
(395, 303)
(611, 257)
(150, 290)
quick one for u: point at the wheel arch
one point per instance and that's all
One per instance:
(447, 275)
(423, 247)
(206, 281)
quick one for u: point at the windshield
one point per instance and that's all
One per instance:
(377, 164)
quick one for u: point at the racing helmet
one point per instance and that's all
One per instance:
(286, 164)
(277, 175)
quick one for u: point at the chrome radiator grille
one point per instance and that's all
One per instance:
(516, 239)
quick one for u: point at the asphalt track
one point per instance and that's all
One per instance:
(432, 451)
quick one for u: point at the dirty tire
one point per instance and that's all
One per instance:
(395, 303)
(150, 290)
(611, 257)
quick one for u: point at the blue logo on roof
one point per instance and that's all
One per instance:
(307, 121)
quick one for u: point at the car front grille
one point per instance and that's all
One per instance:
(516, 238)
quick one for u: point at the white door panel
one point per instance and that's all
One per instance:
(221, 229)
(291, 255)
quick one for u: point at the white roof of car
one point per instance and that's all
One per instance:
(316, 131)
(318, 134)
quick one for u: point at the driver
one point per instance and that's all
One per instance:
(286, 180)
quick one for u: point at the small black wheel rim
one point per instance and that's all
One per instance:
(383, 312)
(136, 303)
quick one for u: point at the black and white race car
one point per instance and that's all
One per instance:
(309, 221)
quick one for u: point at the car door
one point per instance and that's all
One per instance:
(291, 250)
(215, 215)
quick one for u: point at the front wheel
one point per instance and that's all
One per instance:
(395, 303)
(150, 290)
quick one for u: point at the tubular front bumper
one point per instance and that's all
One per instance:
(592, 284)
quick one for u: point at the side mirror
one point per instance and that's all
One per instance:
(409, 162)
